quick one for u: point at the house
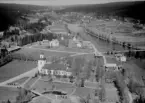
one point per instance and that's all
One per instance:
(120, 57)
(79, 45)
(54, 43)
(111, 67)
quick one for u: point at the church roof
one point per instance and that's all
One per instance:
(54, 66)
(42, 58)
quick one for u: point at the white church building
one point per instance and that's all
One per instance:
(53, 69)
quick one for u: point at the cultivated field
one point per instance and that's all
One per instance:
(15, 68)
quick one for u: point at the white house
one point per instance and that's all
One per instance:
(113, 67)
(54, 43)
(74, 38)
(79, 45)
(120, 57)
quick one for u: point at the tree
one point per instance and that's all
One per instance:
(102, 94)
(77, 64)
(8, 101)
(88, 98)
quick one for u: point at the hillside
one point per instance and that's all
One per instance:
(125, 9)
(9, 13)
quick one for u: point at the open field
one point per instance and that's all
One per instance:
(83, 91)
(122, 31)
(42, 86)
(35, 53)
(15, 68)
(68, 88)
(111, 92)
(28, 84)
(20, 81)
(8, 93)
(62, 48)
(40, 99)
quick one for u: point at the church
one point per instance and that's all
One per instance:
(52, 68)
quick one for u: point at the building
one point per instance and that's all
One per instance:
(53, 68)
(120, 57)
(111, 67)
(54, 43)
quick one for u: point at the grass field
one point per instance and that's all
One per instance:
(40, 99)
(122, 31)
(35, 53)
(8, 93)
(20, 81)
(41, 86)
(63, 48)
(30, 82)
(83, 92)
(15, 68)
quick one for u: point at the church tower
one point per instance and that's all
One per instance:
(41, 62)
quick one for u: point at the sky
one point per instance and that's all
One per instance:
(61, 2)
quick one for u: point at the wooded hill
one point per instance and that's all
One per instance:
(126, 9)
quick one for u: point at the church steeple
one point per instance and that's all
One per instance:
(42, 57)
(41, 62)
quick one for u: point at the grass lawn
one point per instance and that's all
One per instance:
(41, 86)
(8, 93)
(15, 68)
(40, 99)
(20, 81)
(83, 92)
(30, 82)
(64, 87)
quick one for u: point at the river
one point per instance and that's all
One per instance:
(102, 46)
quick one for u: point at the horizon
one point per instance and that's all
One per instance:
(63, 2)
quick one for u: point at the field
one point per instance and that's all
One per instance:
(20, 81)
(15, 68)
(35, 53)
(8, 93)
(122, 31)
(40, 99)
(42, 86)
(83, 91)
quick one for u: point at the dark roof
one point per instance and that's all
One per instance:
(55, 66)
